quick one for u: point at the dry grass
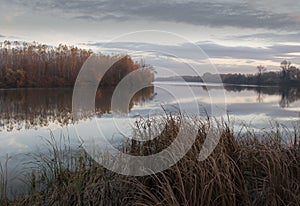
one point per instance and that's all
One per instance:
(4, 180)
(243, 170)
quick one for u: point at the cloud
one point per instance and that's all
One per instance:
(273, 53)
(214, 14)
(226, 58)
(295, 17)
(269, 36)
(212, 49)
(10, 37)
(275, 6)
(85, 17)
(272, 23)
(208, 13)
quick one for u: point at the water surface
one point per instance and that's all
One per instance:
(28, 115)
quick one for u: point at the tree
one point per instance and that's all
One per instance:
(285, 66)
(261, 69)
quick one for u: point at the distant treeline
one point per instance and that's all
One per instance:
(24, 64)
(288, 76)
(268, 78)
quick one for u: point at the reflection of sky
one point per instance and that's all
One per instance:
(242, 107)
(27, 140)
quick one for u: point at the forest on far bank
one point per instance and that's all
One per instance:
(289, 75)
(24, 65)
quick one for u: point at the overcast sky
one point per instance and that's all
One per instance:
(236, 35)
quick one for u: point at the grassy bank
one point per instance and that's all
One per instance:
(244, 169)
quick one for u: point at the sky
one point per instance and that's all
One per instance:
(236, 35)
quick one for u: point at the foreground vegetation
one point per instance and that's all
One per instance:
(245, 169)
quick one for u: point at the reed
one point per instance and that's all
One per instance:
(246, 168)
(4, 180)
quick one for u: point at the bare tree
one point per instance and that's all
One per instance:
(261, 69)
(285, 66)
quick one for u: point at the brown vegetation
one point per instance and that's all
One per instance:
(242, 170)
(52, 106)
(39, 65)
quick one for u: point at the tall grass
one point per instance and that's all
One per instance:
(244, 169)
(4, 180)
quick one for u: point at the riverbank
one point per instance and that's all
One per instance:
(245, 169)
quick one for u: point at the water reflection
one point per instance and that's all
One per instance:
(32, 108)
(28, 114)
(288, 95)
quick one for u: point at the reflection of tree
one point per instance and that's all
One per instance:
(25, 108)
(260, 96)
(104, 97)
(288, 94)
(30, 108)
